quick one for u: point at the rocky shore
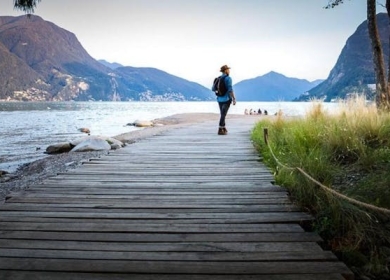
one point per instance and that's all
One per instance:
(37, 171)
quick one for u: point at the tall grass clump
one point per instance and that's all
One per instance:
(348, 151)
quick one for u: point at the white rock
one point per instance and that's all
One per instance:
(92, 145)
(110, 140)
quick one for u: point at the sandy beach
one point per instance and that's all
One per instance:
(36, 172)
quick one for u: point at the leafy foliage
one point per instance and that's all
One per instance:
(333, 4)
(26, 5)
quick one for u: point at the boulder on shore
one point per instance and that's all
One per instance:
(110, 140)
(93, 144)
(86, 144)
(143, 123)
(59, 148)
(84, 129)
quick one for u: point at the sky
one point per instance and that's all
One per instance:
(193, 39)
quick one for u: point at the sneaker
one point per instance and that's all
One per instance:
(221, 131)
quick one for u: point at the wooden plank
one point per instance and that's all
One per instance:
(163, 237)
(204, 187)
(115, 209)
(167, 228)
(161, 196)
(169, 256)
(146, 205)
(162, 247)
(257, 217)
(229, 268)
(282, 218)
(150, 201)
(155, 192)
(43, 275)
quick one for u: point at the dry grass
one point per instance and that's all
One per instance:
(348, 150)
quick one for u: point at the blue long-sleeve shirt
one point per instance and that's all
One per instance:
(229, 86)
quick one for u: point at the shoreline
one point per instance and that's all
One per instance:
(37, 171)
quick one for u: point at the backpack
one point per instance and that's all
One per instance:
(219, 86)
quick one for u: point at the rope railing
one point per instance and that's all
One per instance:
(327, 189)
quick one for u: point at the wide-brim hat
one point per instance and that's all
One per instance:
(223, 68)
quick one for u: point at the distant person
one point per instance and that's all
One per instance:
(251, 112)
(246, 112)
(265, 112)
(259, 112)
(225, 100)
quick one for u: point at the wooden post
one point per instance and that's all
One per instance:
(266, 136)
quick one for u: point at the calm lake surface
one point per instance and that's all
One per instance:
(27, 128)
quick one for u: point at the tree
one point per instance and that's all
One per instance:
(382, 84)
(26, 6)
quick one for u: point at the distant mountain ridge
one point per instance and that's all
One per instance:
(40, 61)
(272, 87)
(111, 65)
(354, 70)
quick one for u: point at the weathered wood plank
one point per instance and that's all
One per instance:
(162, 247)
(153, 201)
(274, 218)
(161, 196)
(290, 236)
(169, 256)
(243, 217)
(146, 205)
(155, 227)
(28, 275)
(204, 187)
(129, 208)
(155, 192)
(228, 268)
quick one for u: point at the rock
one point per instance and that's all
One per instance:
(115, 146)
(113, 141)
(93, 144)
(84, 129)
(158, 124)
(110, 140)
(140, 123)
(2, 173)
(59, 148)
(5, 179)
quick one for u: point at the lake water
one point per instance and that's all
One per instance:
(27, 128)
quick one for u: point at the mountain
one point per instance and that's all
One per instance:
(354, 69)
(150, 84)
(110, 65)
(40, 61)
(272, 87)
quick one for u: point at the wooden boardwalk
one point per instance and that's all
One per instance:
(187, 204)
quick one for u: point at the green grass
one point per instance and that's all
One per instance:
(348, 151)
